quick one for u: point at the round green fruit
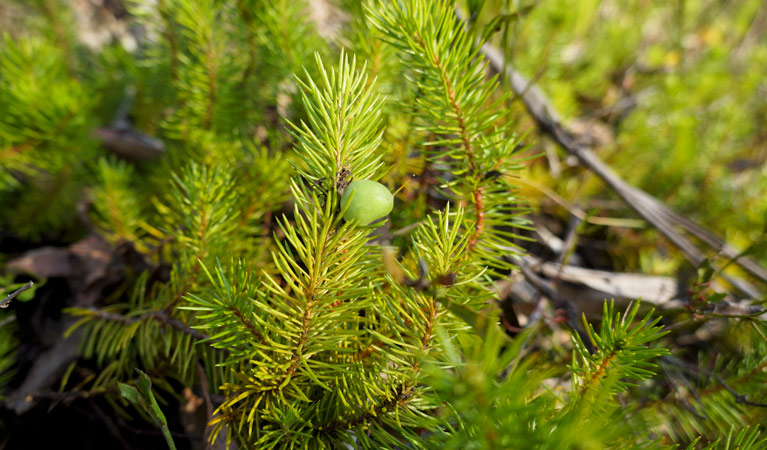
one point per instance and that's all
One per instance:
(370, 202)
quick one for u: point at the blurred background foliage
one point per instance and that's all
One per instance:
(673, 96)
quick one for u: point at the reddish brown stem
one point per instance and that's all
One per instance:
(595, 376)
(465, 142)
(478, 227)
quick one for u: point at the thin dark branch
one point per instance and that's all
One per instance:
(176, 324)
(739, 397)
(6, 321)
(7, 300)
(673, 380)
(110, 425)
(160, 316)
(205, 388)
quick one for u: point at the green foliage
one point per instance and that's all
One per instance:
(344, 128)
(44, 142)
(620, 347)
(116, 206)
(454, 108)
(720, 392)
(311, 331)
(673, 95)
(479, 376)
(144, 399)
(308, 325)
(8, 347)
(745, 439)
(496, 396)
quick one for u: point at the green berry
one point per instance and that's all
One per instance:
(370, 202)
